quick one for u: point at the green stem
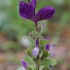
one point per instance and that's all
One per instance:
(36, 26)
(38, 40)
(37, 63)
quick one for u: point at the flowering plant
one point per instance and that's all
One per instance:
(38, 54)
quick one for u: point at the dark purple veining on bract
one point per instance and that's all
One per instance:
(27, 11)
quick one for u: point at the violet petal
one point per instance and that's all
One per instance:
(24, 64)
(35, 51)
(52, 47)
(46, 38)
(51, 53)
(45, 13)
(48, 47)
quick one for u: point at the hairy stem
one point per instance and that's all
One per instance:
(37, 64)
(36, 26)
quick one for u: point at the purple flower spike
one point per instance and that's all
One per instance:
(35, 51)
(24, 64)
(48, 47)
(37, 42)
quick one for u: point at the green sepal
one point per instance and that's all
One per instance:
(29, 51)
(45, 55)
(46, 68)
(29, 68)
(44, 42)
(29, 60)
(41, 67)
(39, 61)
(31, 40)
(35, 33)
(53, 62)
(33, 67)
(46, 62)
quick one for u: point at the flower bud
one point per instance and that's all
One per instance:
(35, 51)
(24, 64)
(48, 47)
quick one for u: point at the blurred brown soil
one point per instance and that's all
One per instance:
(9, 66)
(62, 51)
(6, 62)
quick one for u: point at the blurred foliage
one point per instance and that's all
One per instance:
(14, 27)
(10, 21)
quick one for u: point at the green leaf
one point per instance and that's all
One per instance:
(53, 62)
(29, 51)
(44, 55)
(46, 62)
(44, 42)
(41, 67)
(31, 40)
(29, 68)
(34, 33)
(39, 61)
(33, 67)
(29, 60)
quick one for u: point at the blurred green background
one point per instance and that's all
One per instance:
(13, 28)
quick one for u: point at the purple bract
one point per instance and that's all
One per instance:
(27, 11)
